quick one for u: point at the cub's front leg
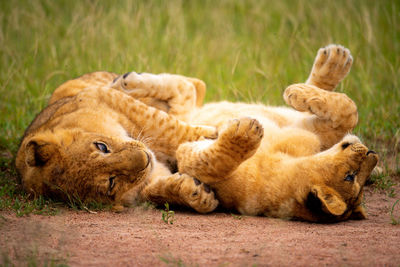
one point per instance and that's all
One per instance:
(180, 189)
(331, 65)
(212, 161)
(333, 115)
(175, 94)
(163, 131)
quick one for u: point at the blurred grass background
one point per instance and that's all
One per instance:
(244, 50)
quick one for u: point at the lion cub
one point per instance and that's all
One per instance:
(97, 143)
(296, 163)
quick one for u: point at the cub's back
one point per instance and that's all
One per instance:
(73, 87)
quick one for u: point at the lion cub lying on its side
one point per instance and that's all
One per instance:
(100, 144)
(288, 163)
(95, 139)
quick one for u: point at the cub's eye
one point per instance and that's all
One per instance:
(102, 147)
(350, 177)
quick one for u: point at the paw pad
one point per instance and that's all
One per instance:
(331, 65)
(243, 130)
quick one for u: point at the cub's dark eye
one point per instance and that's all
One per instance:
(102, 147)
(349, 177)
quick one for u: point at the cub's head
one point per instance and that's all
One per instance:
(338, 194)
(86, 165)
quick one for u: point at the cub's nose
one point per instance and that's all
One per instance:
(140, 160)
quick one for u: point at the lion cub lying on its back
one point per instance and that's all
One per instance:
(109, 140)
(288, 163)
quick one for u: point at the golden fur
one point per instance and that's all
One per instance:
(281, 162)
(288, 163)
(97, 143)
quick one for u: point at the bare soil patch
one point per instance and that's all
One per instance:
(140, 237)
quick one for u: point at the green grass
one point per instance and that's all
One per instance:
(12, 197)
(395, 221)
(170, 260)
(236, 217)
(244, 50)
(33, 259)
(167, 215)
(383, 182)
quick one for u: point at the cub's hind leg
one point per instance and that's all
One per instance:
(331, 65)
(142, 121)
(333, 115)
(175, 94)
(212, 161)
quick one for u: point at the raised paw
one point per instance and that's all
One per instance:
(161, 86)
(244, 132)
(331, 65)
(175, 94)
(139, 84)
(337, 108)
(304, 97)
(198, 195)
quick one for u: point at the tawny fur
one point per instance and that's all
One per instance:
(99, 144)
(294, 162)
(281, 162)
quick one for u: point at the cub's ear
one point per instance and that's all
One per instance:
(358, 214)
(38, 152)
(200, 90)
(331, 201)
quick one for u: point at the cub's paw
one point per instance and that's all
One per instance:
(331, 65)
(337, 108)
(304, 97)
(137, 83)
(117, 208)
(198, 195)
(143, 85)
(244, 132)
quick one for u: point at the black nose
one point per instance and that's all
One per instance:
(371, 151)
(126, 75)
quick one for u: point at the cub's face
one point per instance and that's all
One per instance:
(340, 194)
(86, 165)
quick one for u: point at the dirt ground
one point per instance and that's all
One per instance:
(140, 237)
